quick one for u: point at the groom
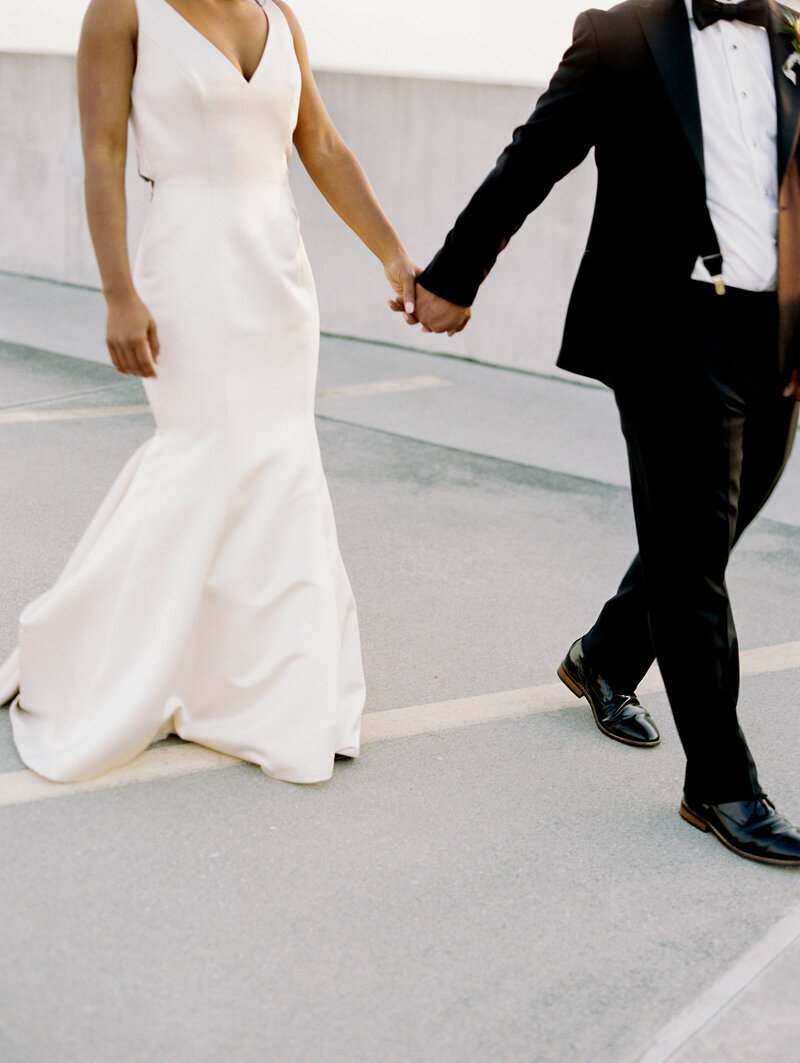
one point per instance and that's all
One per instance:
(687, 304)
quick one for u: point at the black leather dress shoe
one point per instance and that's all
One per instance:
(750, 828)
(618, 715)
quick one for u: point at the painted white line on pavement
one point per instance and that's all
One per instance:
(678, 1033)
(21, 787)
(447, 715)
(84, 414)
(770, 659)
(384, 387)
(780, 658)
(350, 391)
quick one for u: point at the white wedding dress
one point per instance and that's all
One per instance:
(208, 597)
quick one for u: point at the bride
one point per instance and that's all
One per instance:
(208, 597)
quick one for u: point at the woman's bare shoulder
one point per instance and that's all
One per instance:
(291, 18)
(111, 17)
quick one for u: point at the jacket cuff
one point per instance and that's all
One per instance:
(440, 278)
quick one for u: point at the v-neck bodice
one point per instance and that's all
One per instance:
(217, 48)
(194, 114)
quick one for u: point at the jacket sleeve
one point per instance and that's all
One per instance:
(555, 139)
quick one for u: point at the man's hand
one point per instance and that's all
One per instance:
(792, 389)
(434, 313)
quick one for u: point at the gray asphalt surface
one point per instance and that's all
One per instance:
(520, 891)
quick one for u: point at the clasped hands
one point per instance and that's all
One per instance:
(421, 307)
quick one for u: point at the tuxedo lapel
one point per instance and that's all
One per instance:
(787, 93)
(666, 27)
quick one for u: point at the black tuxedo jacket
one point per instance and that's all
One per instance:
(627, 88)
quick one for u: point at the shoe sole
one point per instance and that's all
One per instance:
(703, 825)
(579, 692)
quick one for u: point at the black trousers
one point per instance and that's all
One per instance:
(708, 435)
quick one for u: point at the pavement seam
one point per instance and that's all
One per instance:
(578, 382)
(31, 403)
(482, 455)
(722, 992)
(49, 280)
(23, 413)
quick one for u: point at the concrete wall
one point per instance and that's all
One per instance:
(425, 145)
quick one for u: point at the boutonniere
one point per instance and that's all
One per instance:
(792, 31)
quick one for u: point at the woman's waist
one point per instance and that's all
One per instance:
(176, 200)
(187, 218)
(213, 183)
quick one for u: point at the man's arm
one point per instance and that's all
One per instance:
(555, 139)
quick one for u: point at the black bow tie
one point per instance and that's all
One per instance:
(707, 12)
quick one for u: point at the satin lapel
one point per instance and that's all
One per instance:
(787, 93)
(666, 27)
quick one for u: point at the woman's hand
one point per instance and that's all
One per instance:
(402, 273)
(132, 337)
(432, 312)
(792, 389)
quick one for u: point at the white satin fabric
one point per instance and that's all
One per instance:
(208, 596)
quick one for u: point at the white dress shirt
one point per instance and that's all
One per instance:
(739, 114)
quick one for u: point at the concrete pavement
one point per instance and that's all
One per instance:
(519, 889)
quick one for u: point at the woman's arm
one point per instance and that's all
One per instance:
(106, 62)
(338, 175)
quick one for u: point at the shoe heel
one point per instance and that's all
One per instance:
(565, 679)
(692, 818)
